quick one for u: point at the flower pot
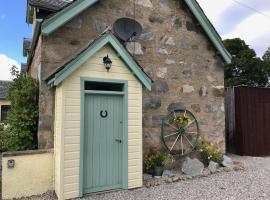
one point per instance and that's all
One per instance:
(158, 171)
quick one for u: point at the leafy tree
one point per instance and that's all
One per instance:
(1, 135)
(246, 68)
(23, 116)
(266, 56)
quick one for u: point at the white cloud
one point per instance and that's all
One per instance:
(214, 8)
(251, 28)
(5, 65)
(233, 20)
(255, 30)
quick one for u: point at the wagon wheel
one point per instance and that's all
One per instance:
(180, 132)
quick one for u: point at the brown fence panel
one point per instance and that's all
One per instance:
(252, 121)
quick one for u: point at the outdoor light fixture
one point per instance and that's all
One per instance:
(107, 62)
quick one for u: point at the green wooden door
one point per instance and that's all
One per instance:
(103, 148)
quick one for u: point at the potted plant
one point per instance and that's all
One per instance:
(155, 163)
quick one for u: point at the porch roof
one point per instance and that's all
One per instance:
(89, 50)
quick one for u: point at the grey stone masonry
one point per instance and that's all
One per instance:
(172, 49)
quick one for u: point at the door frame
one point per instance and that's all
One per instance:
(125, 126)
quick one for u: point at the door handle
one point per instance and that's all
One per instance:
(118, 140)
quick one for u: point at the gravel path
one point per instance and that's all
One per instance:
(252, 183)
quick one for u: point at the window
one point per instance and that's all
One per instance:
(116, 87)
(4, 112)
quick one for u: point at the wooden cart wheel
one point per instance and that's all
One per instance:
(180, 132)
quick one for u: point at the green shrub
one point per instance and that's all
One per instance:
(1, 134)
(210, 152)
(157, 159)
(2, 127)
(21, 131)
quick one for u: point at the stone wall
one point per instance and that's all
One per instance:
(46, 99)
(35, 64)
(173, 50)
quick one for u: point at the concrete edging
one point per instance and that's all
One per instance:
(25, 153)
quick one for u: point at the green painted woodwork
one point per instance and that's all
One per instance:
(29, 14)
(104, 92)
(34, 41)
(65, 15)
(106, 38)
(112, 97)
(209, 29)
(102, 153)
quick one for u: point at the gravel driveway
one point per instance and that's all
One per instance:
(252, 183)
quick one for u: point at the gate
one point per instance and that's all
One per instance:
(248, 121)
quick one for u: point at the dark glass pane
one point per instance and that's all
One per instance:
(4, 112)
(117, 87)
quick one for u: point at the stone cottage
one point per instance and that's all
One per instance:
(177, 62)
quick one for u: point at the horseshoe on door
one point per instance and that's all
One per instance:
(104, 115)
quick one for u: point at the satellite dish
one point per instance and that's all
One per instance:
(127, 29)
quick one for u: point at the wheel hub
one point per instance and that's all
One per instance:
(181, 131)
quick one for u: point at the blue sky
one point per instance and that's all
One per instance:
(12, 31)
(13, 28)
(247, 19)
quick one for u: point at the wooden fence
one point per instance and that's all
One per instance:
(248, 121)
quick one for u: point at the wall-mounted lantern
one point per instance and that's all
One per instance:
(107, 62)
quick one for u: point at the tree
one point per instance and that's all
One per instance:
(246, 68)
(238, 47)
(23, 116)
(266, 56)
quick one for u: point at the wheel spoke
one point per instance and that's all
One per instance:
(175, 118)
(171, 126)
(182, 145)
(174, 115)
(189, 141)
(190, 132)
(174, 143)
(189, 124)
(171, 134)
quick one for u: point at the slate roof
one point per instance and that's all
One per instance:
(26, 46)
(52, 5)
(3, 89)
